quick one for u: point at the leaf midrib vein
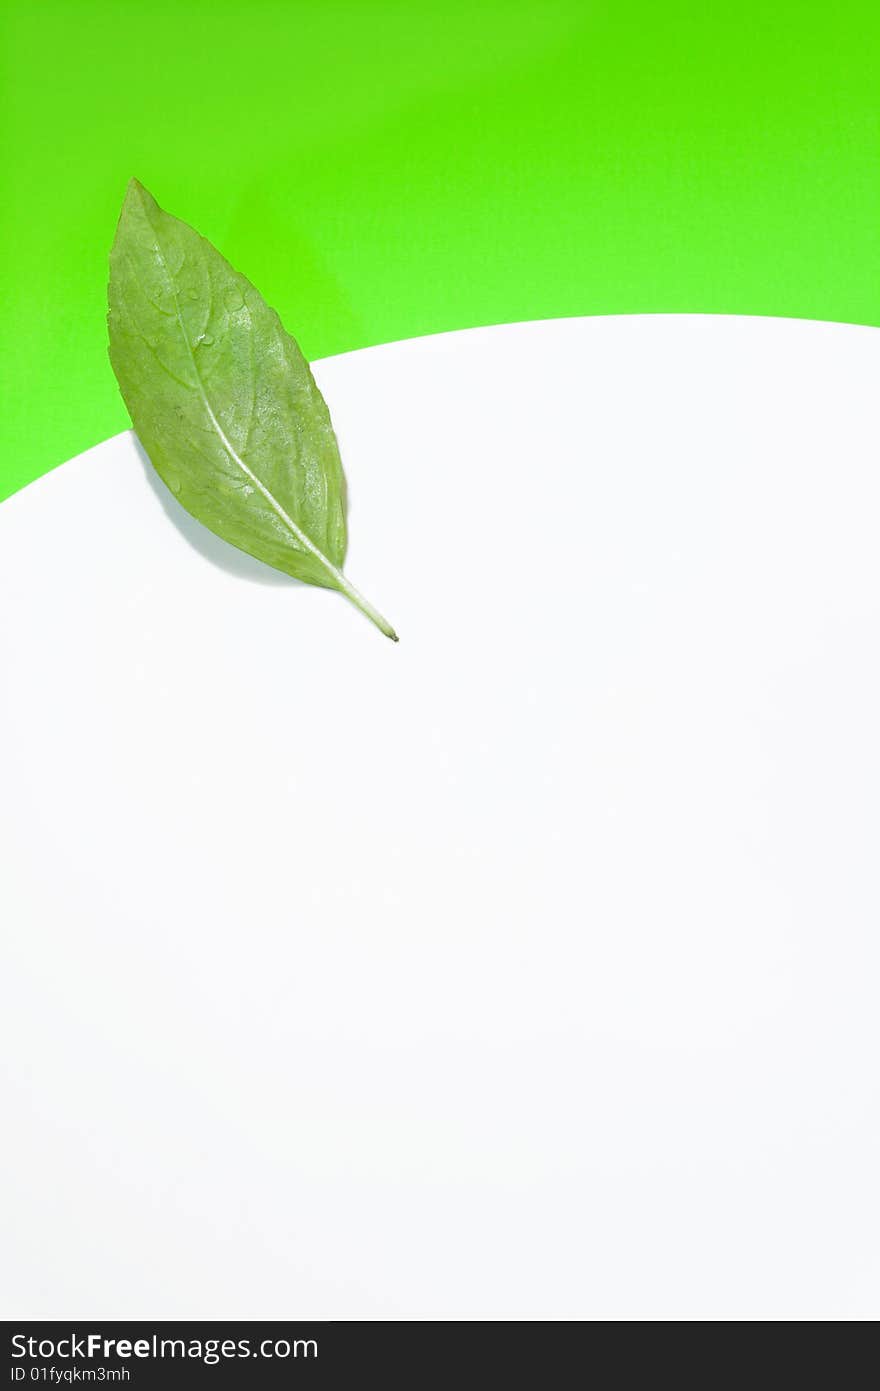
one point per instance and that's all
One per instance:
(296, 531)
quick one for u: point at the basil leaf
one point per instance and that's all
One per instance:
(223, 400)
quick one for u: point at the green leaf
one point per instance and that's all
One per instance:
(223, 400)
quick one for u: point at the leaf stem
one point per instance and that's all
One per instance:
(366, 608)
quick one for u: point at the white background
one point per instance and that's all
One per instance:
(526, 969)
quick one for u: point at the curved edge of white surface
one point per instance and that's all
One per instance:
(527, 969)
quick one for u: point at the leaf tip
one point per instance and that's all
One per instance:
(137, 192)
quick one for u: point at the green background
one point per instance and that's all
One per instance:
(382, 170)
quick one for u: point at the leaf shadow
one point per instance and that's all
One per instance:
(219, 552)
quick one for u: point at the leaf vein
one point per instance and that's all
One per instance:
(296, 532)
(190, 386)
